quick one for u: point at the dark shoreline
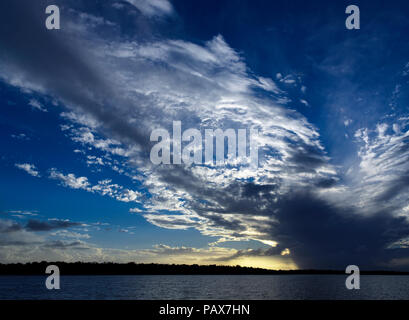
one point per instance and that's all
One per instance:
(89, 268)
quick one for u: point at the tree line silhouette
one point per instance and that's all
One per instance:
(131, 268)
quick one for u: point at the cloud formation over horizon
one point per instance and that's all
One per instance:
(113, 91)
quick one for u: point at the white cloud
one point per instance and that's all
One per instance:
(285, 252)
(381, 175)
(103, 187)
(70, 180)
(128, 196)
(37, 105)
(24, 213)
(304, 102)
(268, 85)
(347, 122)
(29, 168)
(21, 136)
(70, 234)
(153, 7)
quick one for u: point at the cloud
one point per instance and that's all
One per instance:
(70, 234)
(37, 225)
(322, 234)
(13, 234)
(37, 105)
(207, 85)
(261, 252)
(22, 214)
(19, 245)
(171, 221)
(7, 226)
(347, 122)
(70, 180)
(103, 187)
(153, 7)
(381, 176)
(117, 90)
(22, 244)
(304, 102)
(128, 196)
(62, 245)
(29, 168)
(20, 136)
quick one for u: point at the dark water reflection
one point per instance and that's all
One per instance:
(248, 287)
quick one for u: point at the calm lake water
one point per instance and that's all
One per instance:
(248, 287)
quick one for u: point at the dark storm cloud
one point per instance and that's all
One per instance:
(37, 225)
(318, 233)
(322, 235)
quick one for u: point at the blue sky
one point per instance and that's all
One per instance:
(78, 106)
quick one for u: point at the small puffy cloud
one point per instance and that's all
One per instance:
(22, 213)
(304, 102)
(20, 136)
(347, 122)
(29, 168)
(128, 196)
(94, 160)
(288, 79)
(37, 105)
(70, 180)
(285, 252)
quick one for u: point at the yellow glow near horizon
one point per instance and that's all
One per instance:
(272, 263)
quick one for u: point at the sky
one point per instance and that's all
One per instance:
(78, 106)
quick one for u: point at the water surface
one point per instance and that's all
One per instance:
(173, 287)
